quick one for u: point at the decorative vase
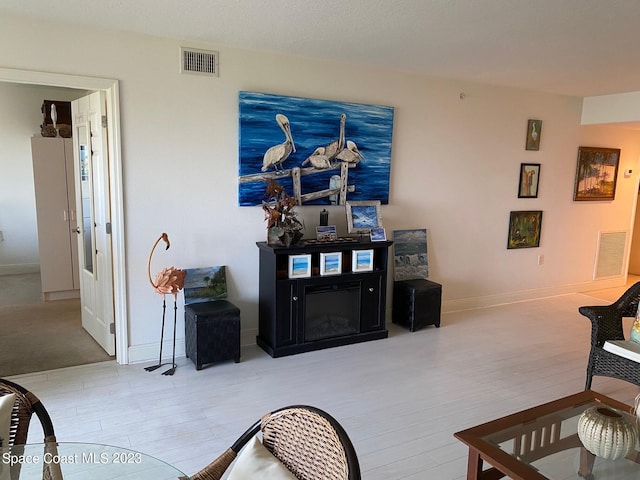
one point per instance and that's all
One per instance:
(283, 237)
(606, 432)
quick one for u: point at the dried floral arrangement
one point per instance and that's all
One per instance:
(283, 226)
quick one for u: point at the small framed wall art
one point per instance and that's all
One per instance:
(330, 263)
(300, 266)
(596, 173)
(362, 260)
(534, 132)
(529, 180)
(524, 229)
(363, 216)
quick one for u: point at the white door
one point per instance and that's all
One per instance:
(91, 161)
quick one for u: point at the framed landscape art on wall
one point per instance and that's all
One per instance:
(596, 173)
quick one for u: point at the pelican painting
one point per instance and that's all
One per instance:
(328, 135)
(279, 153)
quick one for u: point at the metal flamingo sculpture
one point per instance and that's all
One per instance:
(168, 281)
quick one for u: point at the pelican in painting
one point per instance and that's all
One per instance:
(318, 159)
(351, 154)
(279, 153)
(336, 146)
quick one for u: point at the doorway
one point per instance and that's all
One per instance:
(110, 88)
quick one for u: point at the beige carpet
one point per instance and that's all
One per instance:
(37, 335)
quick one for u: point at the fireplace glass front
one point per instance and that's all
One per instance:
(331, 311)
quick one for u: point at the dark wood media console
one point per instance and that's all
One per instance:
(321, 311)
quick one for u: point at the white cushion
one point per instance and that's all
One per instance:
(255, 461)
(6, 407)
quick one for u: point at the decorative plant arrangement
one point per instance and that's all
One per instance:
(283, 226)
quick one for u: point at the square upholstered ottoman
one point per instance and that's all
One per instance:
(212, 332)
(416, 303)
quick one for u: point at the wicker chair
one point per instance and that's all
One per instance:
(606, 324)
(308, 441)
(25, 406)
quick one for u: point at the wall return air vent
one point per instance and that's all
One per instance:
(201, 62)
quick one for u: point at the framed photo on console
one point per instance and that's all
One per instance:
(330, 263)
(362, 260)
(363, 216)
(299, 266)
(378, 235)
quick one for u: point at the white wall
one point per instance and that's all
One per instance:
(455, 166)
(20, 119)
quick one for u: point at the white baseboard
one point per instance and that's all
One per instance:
(525, 295)
(19, 269)
(150, 352)
(61, 295)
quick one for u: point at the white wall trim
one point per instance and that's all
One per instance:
(111, 88)
(526, 295)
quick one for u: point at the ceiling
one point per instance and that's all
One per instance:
(569, 47)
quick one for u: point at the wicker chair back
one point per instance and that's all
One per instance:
(25, 406)
(607, 324)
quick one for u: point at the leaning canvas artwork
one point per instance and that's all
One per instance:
(205, 284)
(410, 254)
(323, 152)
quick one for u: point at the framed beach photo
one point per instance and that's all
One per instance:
(363, 216)
(529, 180)
(330, 263)
(299, 266)
(524, 229)
(326, 233)
(362, 260)
(596, 174)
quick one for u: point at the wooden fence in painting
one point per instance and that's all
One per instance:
(296, 173)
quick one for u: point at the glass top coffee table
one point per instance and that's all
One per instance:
(82, 461)
(542, 443)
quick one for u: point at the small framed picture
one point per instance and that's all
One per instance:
(534, 132)
(363, 216)
(362, 260)
(326, 233)
(524, 229)
(299, 266)
(529, 180)
(378, 235)
(330, 263)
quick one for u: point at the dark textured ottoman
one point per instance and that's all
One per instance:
(417, 303)
(212, 332)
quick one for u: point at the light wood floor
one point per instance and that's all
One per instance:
(400, 399)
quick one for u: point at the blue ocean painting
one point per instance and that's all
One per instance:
(332, 263)
(313, 123)
(363, 259)
(300, 266)
(364, 216)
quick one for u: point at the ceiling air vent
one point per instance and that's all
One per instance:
(202, 62)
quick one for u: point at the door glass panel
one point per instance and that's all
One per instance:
(86, 188)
